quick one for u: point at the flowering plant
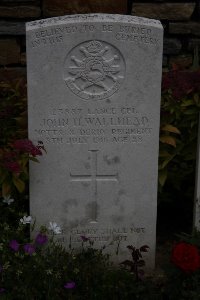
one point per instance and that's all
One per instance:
(180, 108)
(14, 160)
(54, 227)
(40, 268)
(137, 262)
(16, 149)
(26, 220)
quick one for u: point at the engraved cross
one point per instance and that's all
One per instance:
(94, 178)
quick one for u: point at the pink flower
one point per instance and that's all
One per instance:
(23, 145)
(70, 285)
(14, 245)
(41, 239)
(29, 249)
(35, 151)
(27, 146)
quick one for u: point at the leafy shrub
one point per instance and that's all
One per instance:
(42, 269)
(16, 150)
(180, 108)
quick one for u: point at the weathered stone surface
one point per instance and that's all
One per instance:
(7, 74)
(182, 61)
(20, 11)
(60, 7)
(185, 28)
(94, 101)
(12, 28)
(9, 52)
(171, 46)
(164, 11)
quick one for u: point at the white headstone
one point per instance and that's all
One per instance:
(196, 217)
(94, 86)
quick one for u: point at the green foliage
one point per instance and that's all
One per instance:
(52, 272)
(180, 108)
(44, 273)
(13, 126)
(137, 262)
(13, 112)
(179, 124)
(16, 150)
(193, 238)
(182, 286)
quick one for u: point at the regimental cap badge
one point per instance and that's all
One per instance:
(94, 70)
(94, 47)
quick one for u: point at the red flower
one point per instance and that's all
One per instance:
(12, 166)
(186, 257)
(35, 151)
(27, 146)
(23, 145)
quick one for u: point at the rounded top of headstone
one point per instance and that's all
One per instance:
(80, 18)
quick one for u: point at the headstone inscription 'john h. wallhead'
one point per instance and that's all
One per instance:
(94, 101)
